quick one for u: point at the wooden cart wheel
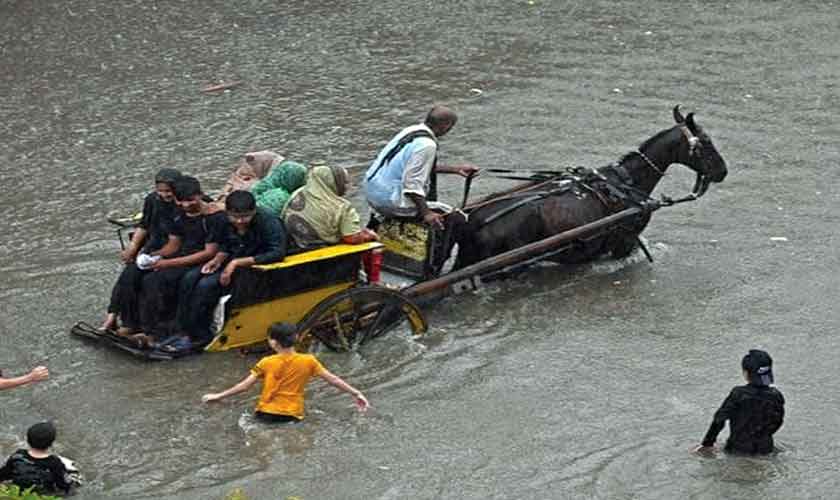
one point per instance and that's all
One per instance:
(354, 316)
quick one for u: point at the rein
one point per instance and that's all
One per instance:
(651, 164)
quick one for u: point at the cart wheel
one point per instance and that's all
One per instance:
(352, 317)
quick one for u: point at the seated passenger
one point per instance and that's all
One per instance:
(317, 215)
(253, 236)
(148, 238)
(194, 239)
(251, 168)
(273, 191)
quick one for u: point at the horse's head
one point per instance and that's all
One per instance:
(700, 154)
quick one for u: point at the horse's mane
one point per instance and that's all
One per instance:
(657, 137)
(648, 142)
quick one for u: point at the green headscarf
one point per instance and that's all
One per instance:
(288, 175)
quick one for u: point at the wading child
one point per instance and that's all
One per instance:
(755, 411)
(36, 466)
(284, 376)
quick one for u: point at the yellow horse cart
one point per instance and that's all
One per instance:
(323, 291)
(320, 291)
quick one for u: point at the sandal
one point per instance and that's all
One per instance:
(176, 344)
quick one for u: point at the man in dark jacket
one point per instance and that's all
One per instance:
(253, 236)
(755, 411)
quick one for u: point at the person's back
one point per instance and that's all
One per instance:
(757, 413)
(285, 376)
(407, 171)
(36, 467)
(318, 215)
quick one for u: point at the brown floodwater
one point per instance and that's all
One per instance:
(586, 382)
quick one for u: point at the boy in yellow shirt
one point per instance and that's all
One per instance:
(284, 375)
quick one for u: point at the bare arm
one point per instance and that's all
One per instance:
(363, 236)
(193, 259)
(227, 274)
(462, 169)
(134, 246)
(429, 217)
(214, 264)
(337, 382)
(171, 247)
(242, 386)
(37, 374)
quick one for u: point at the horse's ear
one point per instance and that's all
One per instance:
(689, 121)
(678, 117)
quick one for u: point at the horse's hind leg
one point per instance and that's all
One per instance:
(623, 246)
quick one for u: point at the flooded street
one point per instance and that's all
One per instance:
(585, 382)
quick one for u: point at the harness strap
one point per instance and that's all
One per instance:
(523, 199)
(510, 208)
(403, 142)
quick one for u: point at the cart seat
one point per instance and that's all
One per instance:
(298, 273)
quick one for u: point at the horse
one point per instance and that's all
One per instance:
(541, 209)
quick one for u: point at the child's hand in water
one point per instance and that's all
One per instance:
(361, 402)
(209, 398)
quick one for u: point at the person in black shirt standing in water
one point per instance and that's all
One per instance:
(755, 411)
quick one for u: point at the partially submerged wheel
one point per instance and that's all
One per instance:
(356, 315)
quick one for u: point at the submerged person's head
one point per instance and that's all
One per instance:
(188, 194)
(41, 436)
(240, 208)
(165, 183)
(758, 368)
(282, 335)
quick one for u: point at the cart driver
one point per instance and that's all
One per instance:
(401, 180)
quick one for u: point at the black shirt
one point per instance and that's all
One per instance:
(157, 221)
(47, 475)
(265, 239)
(195, 232)
(754, 414)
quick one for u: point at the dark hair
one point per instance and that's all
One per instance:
(240, 201)
(167, 176)
(283, 333)
(41, 436)
(759, 367)
(186, 187)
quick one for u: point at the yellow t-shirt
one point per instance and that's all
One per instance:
(284, 377)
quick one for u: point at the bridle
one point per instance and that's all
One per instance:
(695, 148)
